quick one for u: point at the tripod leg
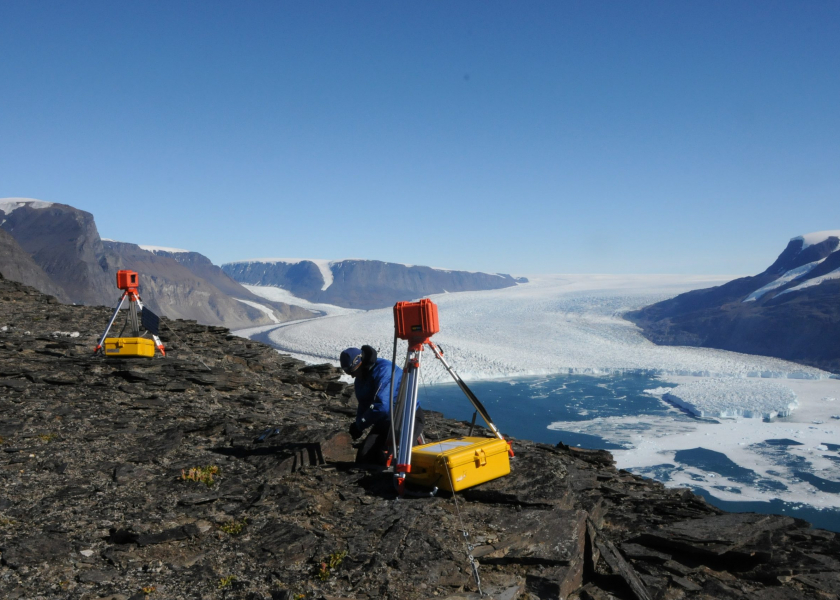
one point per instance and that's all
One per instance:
(409, 412)
(132, 316)
(110, 323)
(479, 407)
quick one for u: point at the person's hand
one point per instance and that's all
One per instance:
(355, 431)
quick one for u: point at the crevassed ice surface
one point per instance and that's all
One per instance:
(554, 324)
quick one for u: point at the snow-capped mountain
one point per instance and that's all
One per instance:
(358, 283)
(791, 310)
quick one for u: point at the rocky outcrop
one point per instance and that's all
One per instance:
(134, 479)
(201, 266)
(364, 284)
(17, 265)
(790, 311)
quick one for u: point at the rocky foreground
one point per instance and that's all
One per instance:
(143, 479)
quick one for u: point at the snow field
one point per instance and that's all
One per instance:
(9, 205)
(162, 249)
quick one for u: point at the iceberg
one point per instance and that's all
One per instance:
(731, 398)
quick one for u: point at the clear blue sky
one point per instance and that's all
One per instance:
(520, 137)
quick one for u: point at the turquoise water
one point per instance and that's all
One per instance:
(524, 407)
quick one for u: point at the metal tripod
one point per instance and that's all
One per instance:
(133, 303)
(406, 407)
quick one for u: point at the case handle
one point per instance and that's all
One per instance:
(480, 458)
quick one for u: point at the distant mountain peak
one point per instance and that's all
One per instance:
(791, 310)
(816, 237)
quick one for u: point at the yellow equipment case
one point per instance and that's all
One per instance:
(127, 347)
(468, 460)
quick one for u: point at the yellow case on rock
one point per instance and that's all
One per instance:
(467, 460)
(124, 347)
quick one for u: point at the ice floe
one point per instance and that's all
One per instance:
(728, 398)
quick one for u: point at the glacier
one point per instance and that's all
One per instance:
(573, 324)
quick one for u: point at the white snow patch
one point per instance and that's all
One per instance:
(162, 249)
(9, 205)
(277, 294)
(70, 334)
(817, 237)
(262, 308)
(728, 398)
(835, 274)
(782, 280)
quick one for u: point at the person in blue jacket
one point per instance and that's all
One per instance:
(372, 383)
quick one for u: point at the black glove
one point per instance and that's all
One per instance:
(356, 431)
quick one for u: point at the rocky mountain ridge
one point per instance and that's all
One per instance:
(76, 265)
(357, 283)
(137, 479)
(789, 311)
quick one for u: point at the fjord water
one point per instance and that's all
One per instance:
(524, 407)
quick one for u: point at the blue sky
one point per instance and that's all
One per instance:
(528, 137)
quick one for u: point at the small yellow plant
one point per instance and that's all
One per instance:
(226, 581)
(234, 527)
(7, 522)
(201, 474)
(47, 437)
(332, 562)
(149, 589)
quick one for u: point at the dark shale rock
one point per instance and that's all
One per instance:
(35, 549)
(97, 500)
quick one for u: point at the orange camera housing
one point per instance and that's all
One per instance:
(416, 322)
(127, 280)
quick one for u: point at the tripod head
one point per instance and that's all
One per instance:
(127, 281)
(416, 322)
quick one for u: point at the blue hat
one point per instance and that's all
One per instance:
(351, 359)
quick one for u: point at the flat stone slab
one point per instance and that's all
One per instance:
(714, 535)
(34, 550)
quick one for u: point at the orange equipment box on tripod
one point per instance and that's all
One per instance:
(416, 321)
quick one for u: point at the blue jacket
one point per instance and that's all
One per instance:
(372, 393)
